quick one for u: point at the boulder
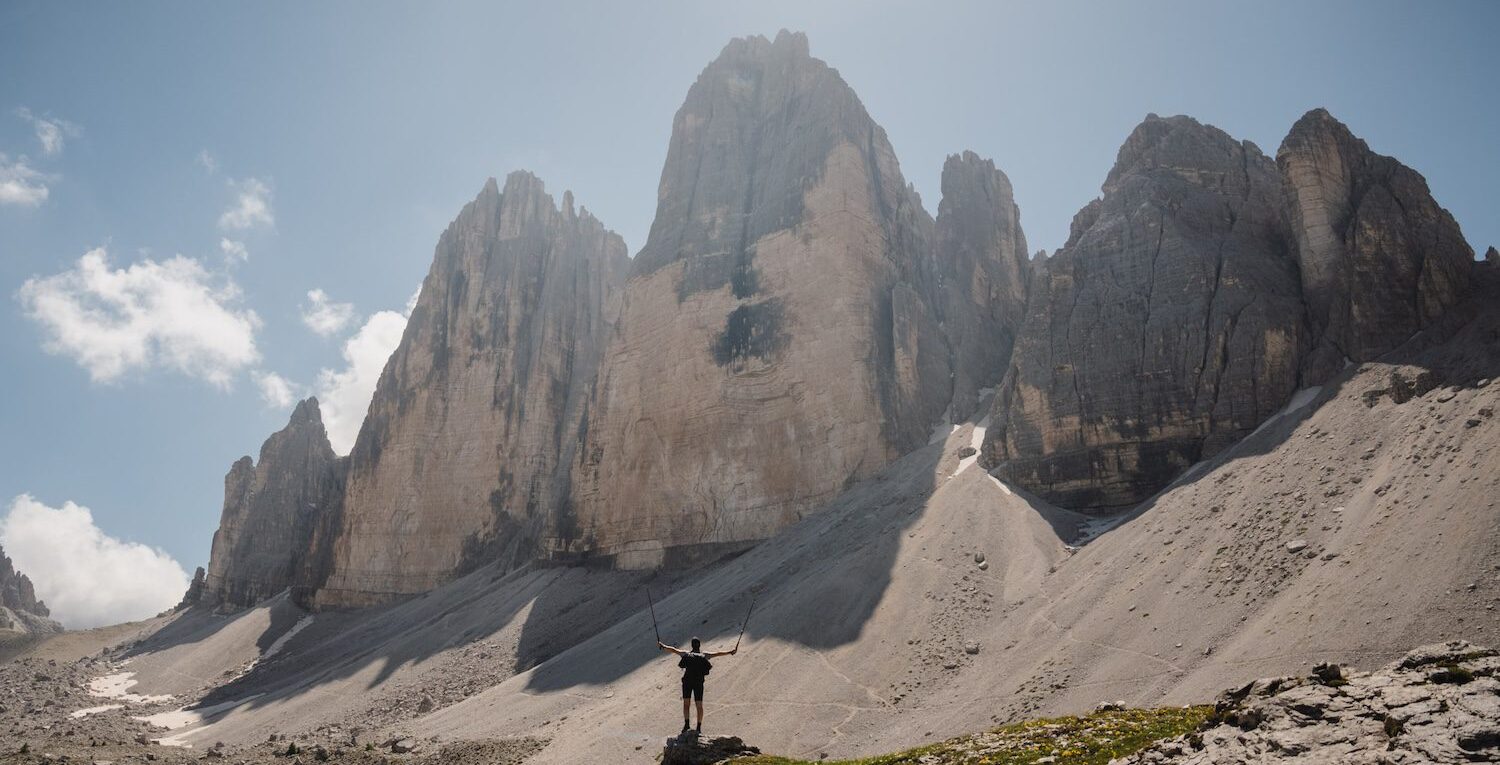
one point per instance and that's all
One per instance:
(690, 749)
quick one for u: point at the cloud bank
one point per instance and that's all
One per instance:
(170, 313)
(87, 577)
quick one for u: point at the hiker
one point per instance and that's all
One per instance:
(695, 666)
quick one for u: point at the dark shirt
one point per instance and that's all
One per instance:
(694, 666)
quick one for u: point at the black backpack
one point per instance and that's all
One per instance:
(696, 661)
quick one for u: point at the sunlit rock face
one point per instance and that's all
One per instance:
(271, 509)
(779, 336)
(466, 450)
(1169, 325)
(1379, 258)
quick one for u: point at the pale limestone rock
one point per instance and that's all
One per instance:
(465, 454)
(779, 338)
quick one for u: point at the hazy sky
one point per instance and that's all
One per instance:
(176, 178)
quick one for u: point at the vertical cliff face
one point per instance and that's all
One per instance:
(1379, 258)
(465, 453)
(981, 253)
(1167, 327)
(779, 335)
(271, 509)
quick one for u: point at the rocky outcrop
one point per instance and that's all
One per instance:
(1168, 327)
(194, 594)
(689, 749)
(16, 591)
(271, 509)
(20, 610)
(779, 337)
(1379, 258)
(981, 253)
(1438, 704)
(465, 454)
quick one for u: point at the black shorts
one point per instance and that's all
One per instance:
(692, 686)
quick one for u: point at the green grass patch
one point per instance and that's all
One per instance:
(1088, 740)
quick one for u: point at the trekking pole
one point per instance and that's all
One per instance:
(746, 623)
(652, 606)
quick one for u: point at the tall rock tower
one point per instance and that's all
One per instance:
(470, 437)
(1380, 259)
(1169, 325)
(780, 333)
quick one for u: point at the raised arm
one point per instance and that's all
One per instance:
(730, 652)
(669, 649)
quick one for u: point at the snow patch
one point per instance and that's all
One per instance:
(1094, 528)
(999, 483)
(178, 719)
(1299, 401)
(118, 685)
(281, 642)
(976, 440)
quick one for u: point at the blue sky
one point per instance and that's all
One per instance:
(362, 128)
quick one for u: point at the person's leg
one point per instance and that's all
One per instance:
(687, 696)
(698, 697)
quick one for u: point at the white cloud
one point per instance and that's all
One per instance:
(20, 184)
(51, 132)
(344, 396)
(251, 207)
(277, 391)
(87, 577)
(326, 317)
(234, 250)
(111, 321)
(207, 161)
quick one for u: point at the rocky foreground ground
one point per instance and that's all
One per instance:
(51, 713)
(1437, 704)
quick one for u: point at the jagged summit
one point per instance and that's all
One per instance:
(1161, 143)
(271, 510)
(16, 590)
(755, 129)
